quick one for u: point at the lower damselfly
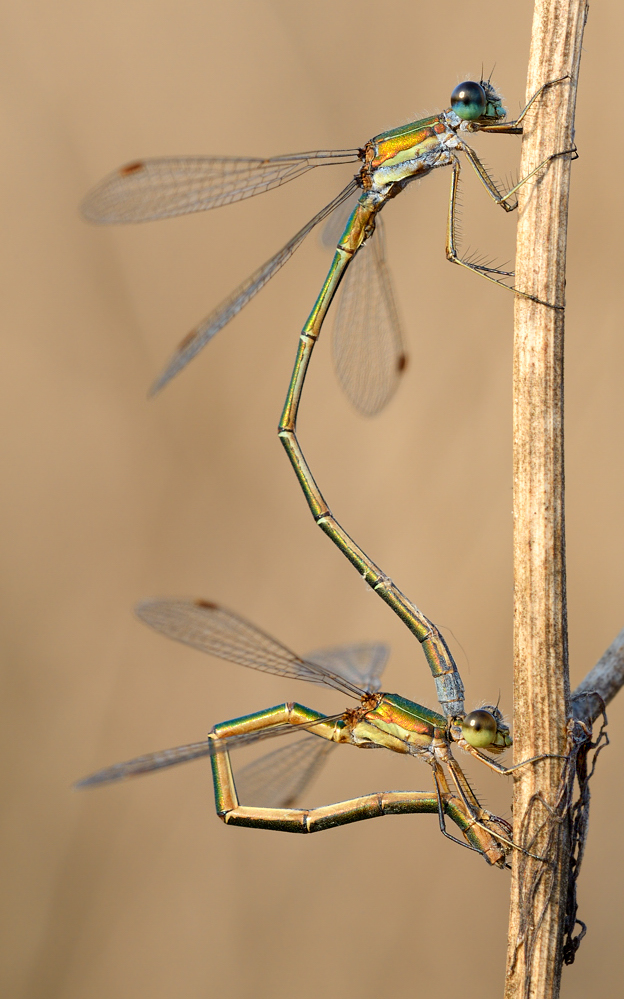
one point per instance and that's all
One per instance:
(264, 794)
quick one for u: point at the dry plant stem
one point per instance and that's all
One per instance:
(540, 625)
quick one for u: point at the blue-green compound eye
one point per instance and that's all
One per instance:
(468, 100)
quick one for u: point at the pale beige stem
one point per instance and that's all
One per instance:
(540, 625)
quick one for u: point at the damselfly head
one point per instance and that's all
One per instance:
(486, 729)
(478, 102)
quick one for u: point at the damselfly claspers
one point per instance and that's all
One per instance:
(380, 720)
(368, 344)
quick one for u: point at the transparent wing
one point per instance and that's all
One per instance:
(361, 664)
(351, 669)
(368, 344)
(183, 754)
(199, 337)
(335, 225)
(160, 188)
(210, 628)
(278, 779)
(146, 764)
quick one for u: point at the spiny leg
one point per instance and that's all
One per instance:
(448, 682)
(443, 794)
(481, 816)
(500, 769)
(514, 127)
(490, 186)
(499, 199)
(451, 245)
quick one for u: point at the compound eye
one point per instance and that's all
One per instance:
(468, 100)
(479, 729)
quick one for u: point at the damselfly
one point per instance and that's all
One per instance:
(368, 343)
(271, 785)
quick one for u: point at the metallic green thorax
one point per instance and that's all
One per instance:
(408, 721)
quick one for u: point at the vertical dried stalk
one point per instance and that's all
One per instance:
(540, 625)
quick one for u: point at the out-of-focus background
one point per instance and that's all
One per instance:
(137, 889)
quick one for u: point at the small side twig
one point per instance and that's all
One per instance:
(601, 684)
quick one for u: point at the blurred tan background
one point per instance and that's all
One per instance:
(138, 890)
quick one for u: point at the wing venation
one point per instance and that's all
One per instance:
(163, 187)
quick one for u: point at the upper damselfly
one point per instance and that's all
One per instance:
(368, 343)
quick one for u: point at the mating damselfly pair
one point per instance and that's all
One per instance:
(370, 356)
